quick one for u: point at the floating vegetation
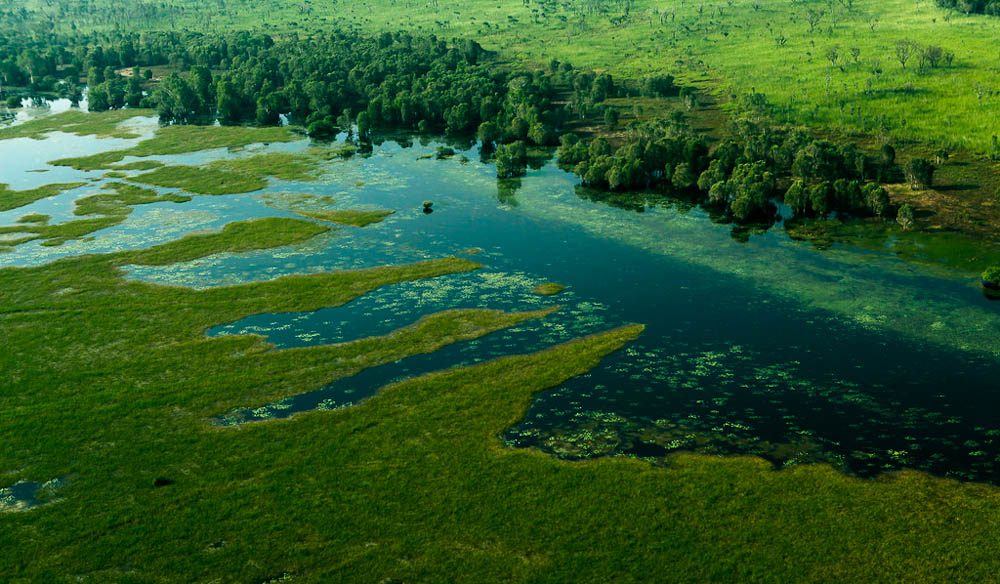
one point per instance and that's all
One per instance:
(725, 403)
(464, 346)
(108, 209)
(775, 395)
(869, 290)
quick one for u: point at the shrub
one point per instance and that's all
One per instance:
(991, 276)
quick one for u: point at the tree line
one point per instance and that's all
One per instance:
(991, 7)
(746, 174)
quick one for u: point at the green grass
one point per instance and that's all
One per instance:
(103, 125)
(139, 165)
(202, 180)
(281, 165)
(122, 199)
(549, 289)
(181, 140)
(234, 237)
(34, 218)
(13, 199)
(111, 209)
(225, 177)
(238, 175)
(414, 484)
(352, 217)
(726, 47)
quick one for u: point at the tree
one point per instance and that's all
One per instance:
(905, 50)
(364, 123)
(819, 198)
(458, 118)
(97, 99)
(267, 113)
(905, 217)
(797, 197)
(511, 160)
(920, 173)
(229, 103)
(683, 177)
(322, 129)
(204, 87)
(877, 198)
(715, 173)
(489, 134)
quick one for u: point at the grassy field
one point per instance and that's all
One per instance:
(782, 49)
(107, 125)
(355, 218)
(227, 177)
(173, 140)
(411, 486)
(13, 199)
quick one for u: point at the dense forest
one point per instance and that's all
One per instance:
(991, 7)
(324, 82)
(345, 81)
(745, 173)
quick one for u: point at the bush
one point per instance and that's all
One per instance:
(991, 276)
(322, 129)
(905, 216)
(920, 173)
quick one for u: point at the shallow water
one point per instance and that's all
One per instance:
(847, 356)
(27, 495)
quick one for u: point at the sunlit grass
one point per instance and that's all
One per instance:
(355, 218)
(10, 199)
(182, 140)
(104, 125)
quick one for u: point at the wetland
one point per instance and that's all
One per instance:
(311, 282)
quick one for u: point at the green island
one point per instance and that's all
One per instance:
(549, 289)
(731, 314)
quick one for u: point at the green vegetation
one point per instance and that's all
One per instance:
(355, 218)
(991, 277)
(13, 199)
(34, 218)
(226, 177)
(202, 180)
(281, 165)
(139, 165)
(741, 174)
(234, 237)
(549, 289)
(120, 202)
(228, 501)
(111, 208)
(180, 140)
(413, 484)
(80, 123)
